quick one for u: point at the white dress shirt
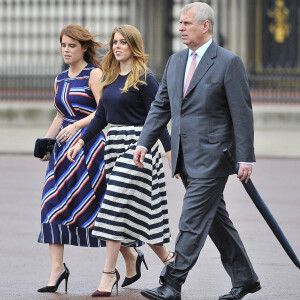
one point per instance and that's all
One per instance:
(199, 53)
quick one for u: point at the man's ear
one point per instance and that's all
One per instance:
(205, 26)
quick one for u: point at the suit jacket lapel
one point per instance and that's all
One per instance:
(180, 71)
(205, 63)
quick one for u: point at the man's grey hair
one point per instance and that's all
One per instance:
(202, 12)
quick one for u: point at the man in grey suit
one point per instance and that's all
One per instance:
(205, 91)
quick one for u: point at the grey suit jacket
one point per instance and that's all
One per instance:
(215, 113)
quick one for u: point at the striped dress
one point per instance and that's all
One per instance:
(73, 191)
(134, 208)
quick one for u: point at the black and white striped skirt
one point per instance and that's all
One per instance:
(134, 207)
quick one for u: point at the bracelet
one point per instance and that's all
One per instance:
(80, 144)
(75, 126)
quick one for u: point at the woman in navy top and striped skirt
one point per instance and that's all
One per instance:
(134, 208)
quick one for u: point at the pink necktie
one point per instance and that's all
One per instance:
(191, 73)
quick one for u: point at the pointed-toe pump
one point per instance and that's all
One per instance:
(140, 258)
(98, 293)
(53, 288)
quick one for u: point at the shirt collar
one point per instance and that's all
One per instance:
(201, 50)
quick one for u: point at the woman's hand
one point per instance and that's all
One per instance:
(73, 151)
(46, 157)
(66, 134)
(169, 157)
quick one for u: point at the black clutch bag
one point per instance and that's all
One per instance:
(42, 146)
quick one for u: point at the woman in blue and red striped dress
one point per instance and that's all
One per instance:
(73, 192)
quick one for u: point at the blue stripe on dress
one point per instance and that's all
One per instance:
(92, 219)
(86, 201)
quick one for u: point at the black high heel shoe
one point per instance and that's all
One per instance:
(53, 288)
(140, 258)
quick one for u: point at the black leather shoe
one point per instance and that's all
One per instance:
(164, 292)
(240, 292)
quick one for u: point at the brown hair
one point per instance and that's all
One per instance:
(85, 38)
(111, 67)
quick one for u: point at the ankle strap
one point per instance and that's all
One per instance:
(111, 272)
(169, 258)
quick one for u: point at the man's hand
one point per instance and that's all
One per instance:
(245, 171)
(139, 156)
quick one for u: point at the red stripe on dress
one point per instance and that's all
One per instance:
(62, 185)
(67, 203)
(95, 154)
(79, 94)
(49, 179)
(96, 188)
(82, 211)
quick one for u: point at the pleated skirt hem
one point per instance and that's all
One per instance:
(68, 235)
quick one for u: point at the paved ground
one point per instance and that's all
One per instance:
(25, 263)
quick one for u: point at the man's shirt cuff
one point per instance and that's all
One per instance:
(139, 146)
(248, 163)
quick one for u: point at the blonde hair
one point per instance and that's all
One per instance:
(85, 38)
(111, 67)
